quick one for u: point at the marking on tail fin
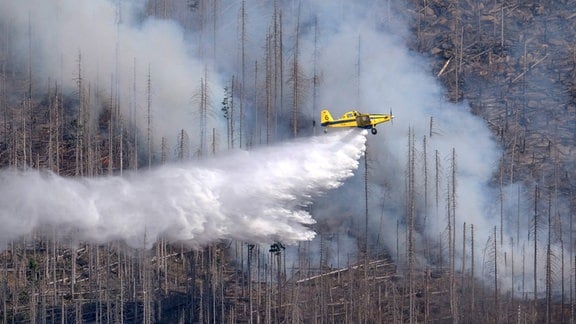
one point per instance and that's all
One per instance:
(325, 117)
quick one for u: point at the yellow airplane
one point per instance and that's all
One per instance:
(354, 119)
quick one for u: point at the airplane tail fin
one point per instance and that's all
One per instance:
(325, 117)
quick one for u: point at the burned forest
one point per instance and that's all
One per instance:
(163, 161)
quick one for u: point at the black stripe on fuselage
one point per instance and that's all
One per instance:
(336, 122)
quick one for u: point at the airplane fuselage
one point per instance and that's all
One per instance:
(355, 119)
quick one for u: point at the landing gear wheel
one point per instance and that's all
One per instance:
(374, 131)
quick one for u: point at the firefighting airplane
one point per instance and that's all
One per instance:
(354, 119)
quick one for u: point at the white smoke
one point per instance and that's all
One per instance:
(363, 63)
(116, 53)
(378, 73)
(257, 196)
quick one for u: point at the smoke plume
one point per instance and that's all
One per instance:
(356, 54)
(109, 46)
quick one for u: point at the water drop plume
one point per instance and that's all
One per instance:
(256, 196)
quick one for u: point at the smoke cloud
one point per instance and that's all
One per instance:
(360, 54)
(110, 47)
(378, 73)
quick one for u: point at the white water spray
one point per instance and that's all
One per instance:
(255, 196)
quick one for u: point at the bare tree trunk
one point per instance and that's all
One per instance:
(295, 78)
(232, 111)
(496, 291)
(79, 171)
(410, 224)
(549, 263)
(243, 72)
(111, 134)
(121, 275)
(134, 119)
(472, 265)
(451, 239)
(3, 99)
(463, 271)
(501, 198)
(316, 77)
(269, 76)
(571, 258)
(164, 148)
(278, 65)
(250, 296)
(366, 206)
(203, 113)
(182, 145)
(535, 234)
(149, 118)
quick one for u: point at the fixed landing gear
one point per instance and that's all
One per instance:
(374, 131)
